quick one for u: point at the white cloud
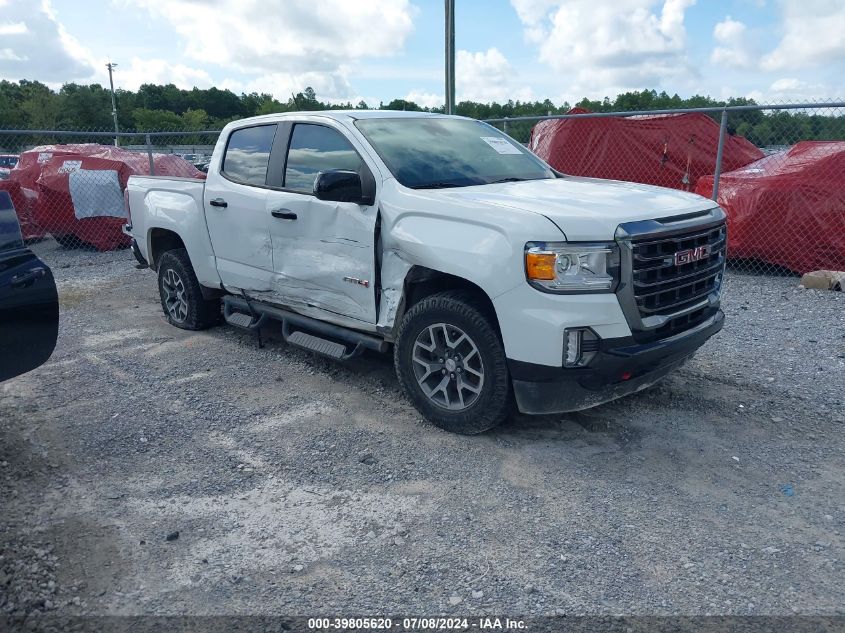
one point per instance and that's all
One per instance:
(812, 35)
(289, 43)
(733, 47)
(36, 46)
(788, 85)
(479, 76)
(425, 99)
(486, 76)
(794, 89)
(160, 71)
(534, 15)
(601, 48)
(332, 86)
(13, 28)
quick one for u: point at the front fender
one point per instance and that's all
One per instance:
(483, 244)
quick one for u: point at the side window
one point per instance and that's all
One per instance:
(10, 232)
(248, 154)
(316, 148)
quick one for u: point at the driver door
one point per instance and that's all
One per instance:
(29, 305)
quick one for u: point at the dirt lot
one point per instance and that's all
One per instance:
(298, 485)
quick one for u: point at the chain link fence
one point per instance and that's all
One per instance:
(777, 170)
(68, 185)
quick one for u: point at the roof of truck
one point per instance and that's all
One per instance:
(339, 115)
(377, 114)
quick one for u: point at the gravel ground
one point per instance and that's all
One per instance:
(146, 469)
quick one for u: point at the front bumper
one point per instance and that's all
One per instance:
(621, 367)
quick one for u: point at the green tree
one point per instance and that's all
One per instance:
(194, 120)
(147, 120)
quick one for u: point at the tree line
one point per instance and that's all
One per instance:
(34, 106)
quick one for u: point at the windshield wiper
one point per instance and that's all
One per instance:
(438, 185)
(511, 179)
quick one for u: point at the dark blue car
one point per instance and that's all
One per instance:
(29, 304)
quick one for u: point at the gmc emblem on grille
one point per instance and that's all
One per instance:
(692, 255)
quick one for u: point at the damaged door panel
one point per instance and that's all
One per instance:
(324, 258)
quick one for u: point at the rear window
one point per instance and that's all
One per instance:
(248, 154)
(10, 231)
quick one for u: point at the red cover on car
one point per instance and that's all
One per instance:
(24, 203)
(667, 150)
(788, 208)
(80, 188)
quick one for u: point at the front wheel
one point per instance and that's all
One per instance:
(451, 364)
(181, 295)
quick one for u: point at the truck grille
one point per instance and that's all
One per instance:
(669, 294)
(661, 286)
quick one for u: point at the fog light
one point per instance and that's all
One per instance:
(572, 348)
(580, 345)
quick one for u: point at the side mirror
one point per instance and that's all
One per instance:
(340, 185)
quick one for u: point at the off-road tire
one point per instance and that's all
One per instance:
(200, 313)
(465, 311)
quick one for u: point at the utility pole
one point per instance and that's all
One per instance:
(111, 68)
(450, 56)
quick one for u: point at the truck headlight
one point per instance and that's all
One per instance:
(563, 267)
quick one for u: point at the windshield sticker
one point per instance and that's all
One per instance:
(500, 145)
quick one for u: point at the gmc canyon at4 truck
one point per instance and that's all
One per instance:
(495, 279)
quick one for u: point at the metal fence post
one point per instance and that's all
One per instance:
(150, 155)
(717, 173)
(505, 126)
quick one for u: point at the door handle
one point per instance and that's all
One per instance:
(219, 202)
(283, 214)
(28, 278)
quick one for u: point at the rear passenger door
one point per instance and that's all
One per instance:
(235, 209)
(323, 252)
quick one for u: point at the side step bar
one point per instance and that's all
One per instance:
(252, 315)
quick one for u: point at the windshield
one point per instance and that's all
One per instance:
(435, 153)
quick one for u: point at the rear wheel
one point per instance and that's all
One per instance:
(181, 295)
(452, 365)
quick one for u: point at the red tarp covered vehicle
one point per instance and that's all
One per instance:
(667, 150)
(24, 202)
(788, 208)
(80, 188)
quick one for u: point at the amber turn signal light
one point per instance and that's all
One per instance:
(540, 266)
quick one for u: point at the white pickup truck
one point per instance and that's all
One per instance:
(495, 279)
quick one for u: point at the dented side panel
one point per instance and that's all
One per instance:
(324, 258)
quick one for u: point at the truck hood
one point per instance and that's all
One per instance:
(585, 209)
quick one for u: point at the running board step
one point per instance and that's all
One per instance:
(241, 320)
(317, 344)
(325, 338)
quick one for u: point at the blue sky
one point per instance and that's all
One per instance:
(772, 50)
